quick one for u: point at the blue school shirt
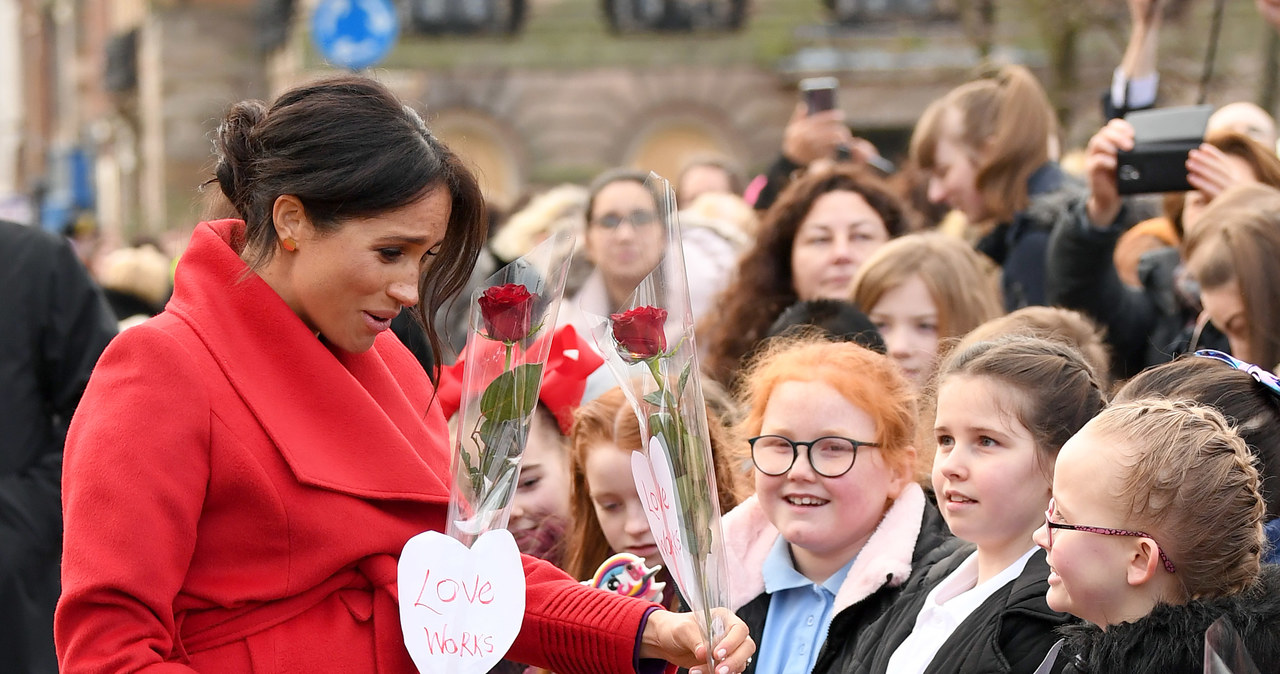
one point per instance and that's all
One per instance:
(795, 626)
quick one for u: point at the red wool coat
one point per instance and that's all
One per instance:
(236, 495)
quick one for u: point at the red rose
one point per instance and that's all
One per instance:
(507, 311)
(639, 331)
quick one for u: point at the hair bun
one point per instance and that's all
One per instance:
(236, 149)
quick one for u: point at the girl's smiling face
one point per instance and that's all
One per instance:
(1087, 571)
(990, 483)
(540, 505)
(825, 519)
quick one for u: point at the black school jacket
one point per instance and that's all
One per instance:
(1010, 633)
(1170, 640)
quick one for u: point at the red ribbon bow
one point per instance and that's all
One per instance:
(569, 362)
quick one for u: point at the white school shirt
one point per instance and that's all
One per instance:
(945, 608)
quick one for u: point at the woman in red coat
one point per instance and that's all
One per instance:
(246, 467)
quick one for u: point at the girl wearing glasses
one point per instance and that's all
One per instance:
(1154, 533)
(1004, 409)
(837, 525)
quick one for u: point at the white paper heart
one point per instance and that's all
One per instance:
(655, 485)
(460, 608)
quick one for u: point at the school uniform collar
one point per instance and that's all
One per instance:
(780, 571)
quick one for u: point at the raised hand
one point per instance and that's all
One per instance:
(811, 137)
(1100, 170)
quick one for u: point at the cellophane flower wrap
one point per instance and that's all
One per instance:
(1224, 650)
(512, 316)
(650, 349)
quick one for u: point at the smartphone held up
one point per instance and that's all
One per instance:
(1161, 142)
(819, 93)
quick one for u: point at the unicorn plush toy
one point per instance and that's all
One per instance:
(626, 574)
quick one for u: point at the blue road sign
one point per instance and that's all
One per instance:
(354, 34)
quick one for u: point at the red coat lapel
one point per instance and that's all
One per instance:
(341, 420)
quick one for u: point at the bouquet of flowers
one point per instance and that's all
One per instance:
(649, 346)
(511, 319)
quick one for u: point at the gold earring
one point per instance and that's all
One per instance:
(289, 244)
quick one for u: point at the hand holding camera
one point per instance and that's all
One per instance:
(809, 137)
(1100, 170)
(1155, 151)
(818, 132)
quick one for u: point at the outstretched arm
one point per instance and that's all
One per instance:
(676, 638)
(1134, 85)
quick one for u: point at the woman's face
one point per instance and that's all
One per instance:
(347, 285)
(1225, 306)
(542, 494)
(625, 238)
(1086, 570)
(618, 507)
(825, 519)
(838, 234)
(991, 489)
(954, 178)
(907, 319)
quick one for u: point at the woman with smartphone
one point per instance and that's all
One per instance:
(1150, 323)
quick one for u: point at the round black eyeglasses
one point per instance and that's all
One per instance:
(830, 456)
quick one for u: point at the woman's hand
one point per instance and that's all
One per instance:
(676, 638)
(811, 137)
(1211, 172)
(1100, 169)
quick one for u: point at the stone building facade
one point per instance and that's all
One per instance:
(140, 85)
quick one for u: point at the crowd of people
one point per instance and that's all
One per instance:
(978, 414)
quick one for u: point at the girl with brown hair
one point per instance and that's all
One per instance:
(1233, 254)
(1005, 408)
(605, 512)
(987, 148)
(920, 291)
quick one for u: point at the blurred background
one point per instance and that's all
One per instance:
(106, 106)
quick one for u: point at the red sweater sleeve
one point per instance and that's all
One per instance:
(573, 629)
(135, 470)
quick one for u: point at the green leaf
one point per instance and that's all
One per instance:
(663, 424)
(684, 378)
(657, 399)
(513, 394)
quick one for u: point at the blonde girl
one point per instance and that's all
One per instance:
(920, 290)
(1005, 408)
(1154, 533)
